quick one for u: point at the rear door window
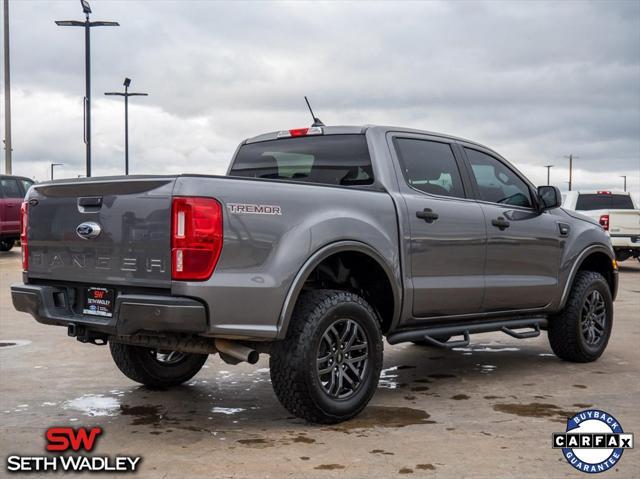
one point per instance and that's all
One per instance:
(590, 202)
(10, 188)
(328, 159)
(430, 166)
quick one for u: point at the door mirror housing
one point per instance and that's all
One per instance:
(550, 197)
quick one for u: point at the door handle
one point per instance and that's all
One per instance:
(500, 222)
(428, 215)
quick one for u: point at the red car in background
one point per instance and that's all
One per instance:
(12, 191)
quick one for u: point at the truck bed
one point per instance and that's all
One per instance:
(268, 234)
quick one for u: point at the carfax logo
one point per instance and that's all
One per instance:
(68, 439)
(594, 441)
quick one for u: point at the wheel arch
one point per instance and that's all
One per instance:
(389, 316)
(596, 258)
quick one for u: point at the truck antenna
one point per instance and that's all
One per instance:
(316, 120)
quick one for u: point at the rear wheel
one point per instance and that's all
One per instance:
(153, 368)
(580, 332)
(6, 245)
(327, 368)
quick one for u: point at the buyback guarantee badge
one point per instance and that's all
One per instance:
(594, 441)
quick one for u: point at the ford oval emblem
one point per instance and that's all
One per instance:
(88, 230)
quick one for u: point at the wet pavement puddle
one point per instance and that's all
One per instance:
(460, 397)
(94, 405)
(227, 410)
(537, 410)
(13, 343)
(144, 415)
(384, 417)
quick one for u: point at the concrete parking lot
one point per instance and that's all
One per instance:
(484, 411)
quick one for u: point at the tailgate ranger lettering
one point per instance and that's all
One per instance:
(100, 262)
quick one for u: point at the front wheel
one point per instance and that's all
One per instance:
(327, 368)
(156, 369)
(6, 245)
(581, 331)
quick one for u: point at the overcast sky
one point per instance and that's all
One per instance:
(533, 80)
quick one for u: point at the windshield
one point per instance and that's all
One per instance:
(604, 202)
(328, 159)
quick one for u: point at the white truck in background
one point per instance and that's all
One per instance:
(617, 214)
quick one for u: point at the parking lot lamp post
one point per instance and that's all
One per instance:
(126, 94)
(54, 164)
(548, 167)
(87, 70)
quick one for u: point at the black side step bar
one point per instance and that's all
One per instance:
(527, 334)
(508, 326)
(448, 344)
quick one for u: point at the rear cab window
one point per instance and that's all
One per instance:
(341, 160)
(603, 201)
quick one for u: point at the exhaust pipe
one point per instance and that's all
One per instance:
(237, 351)
(234, 352)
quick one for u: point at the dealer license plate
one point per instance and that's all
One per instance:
(99, 302)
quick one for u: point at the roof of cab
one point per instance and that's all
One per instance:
(355, 130)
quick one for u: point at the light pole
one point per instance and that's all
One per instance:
(625, 181)
(548, 167)
(571, 158)
(126, 95)
(87, 70)
(52, 165)
(7, 93)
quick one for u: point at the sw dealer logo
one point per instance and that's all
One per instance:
(70, 440)
(65, 438)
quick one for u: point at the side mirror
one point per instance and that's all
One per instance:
(550, 197)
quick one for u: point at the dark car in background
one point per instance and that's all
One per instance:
(12, 191)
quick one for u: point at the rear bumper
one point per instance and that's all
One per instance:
(133, 313)
(626, 242)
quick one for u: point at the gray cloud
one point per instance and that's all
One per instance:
(534, 80)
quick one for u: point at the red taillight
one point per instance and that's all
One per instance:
(604, 222)
(312, 130)
(24, 222)
(299, 132)
(196, 237)
(603, 192)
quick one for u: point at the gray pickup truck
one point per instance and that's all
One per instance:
(317, 243)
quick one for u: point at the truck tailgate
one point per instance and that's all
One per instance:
(133, 218)
(624, 222)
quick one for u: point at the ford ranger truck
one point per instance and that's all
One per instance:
(616, 213)
(317, 244)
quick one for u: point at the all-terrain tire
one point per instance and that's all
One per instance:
(566, 336)
(6, 245)
(142, 366)
(296, 368)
